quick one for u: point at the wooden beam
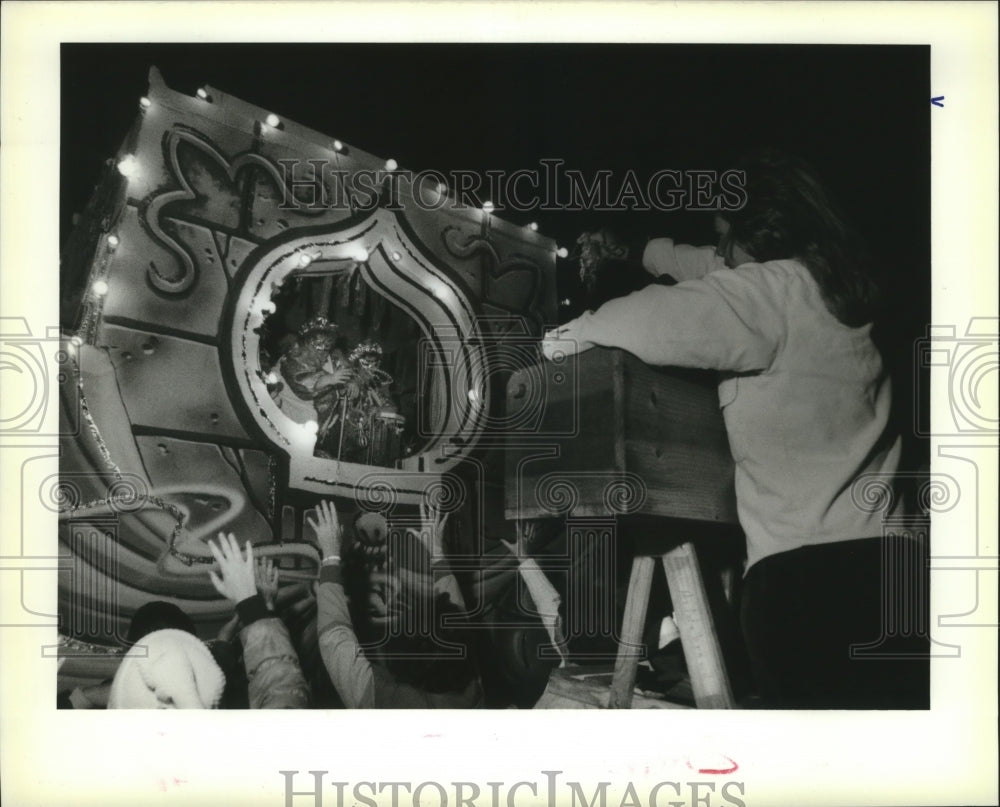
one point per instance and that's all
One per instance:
(700, 643)
(630, 649)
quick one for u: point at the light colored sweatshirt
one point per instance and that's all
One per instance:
(805, 398)
(274, 676)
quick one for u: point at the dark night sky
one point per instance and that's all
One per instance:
(859, 114)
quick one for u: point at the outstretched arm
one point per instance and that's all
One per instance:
(731, 320)
(543, 593)
(273, 672)
(431, 535)
(349, 670)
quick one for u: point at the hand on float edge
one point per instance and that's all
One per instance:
(565, 340)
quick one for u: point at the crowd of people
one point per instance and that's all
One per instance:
(392, 634)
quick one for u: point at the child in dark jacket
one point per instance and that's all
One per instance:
(422, 660)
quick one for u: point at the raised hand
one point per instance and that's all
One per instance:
(327, 528)
(235, 580)
(266, 575)
(431, 533)
(525, 534)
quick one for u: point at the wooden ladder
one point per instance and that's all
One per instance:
(699, 640)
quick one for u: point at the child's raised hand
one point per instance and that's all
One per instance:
(266, 575)
(327, 528)
(431, 533)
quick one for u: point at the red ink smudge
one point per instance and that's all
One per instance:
(718, 771)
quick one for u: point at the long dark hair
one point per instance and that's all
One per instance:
(789, 214)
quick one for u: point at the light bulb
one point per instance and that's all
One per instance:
(475, 398)
(113, 241)
(338, 146)
(562, 252)
(100, 288)
(305, 260)
(442, 188)
(533, 226)
(145, 103)
(76, 341)
(202, 93)
(361, 255)
(268, 308)
(273, 120)
(391, 165)
(396, 256)
(271, 378)
(128, 166)
(487, 207)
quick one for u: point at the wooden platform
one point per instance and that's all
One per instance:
(646, 447)
(699, 639)
(627, 438)
(590, 688)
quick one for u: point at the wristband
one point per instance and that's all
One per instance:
(251, 609)
(330, 559)
(330, 573)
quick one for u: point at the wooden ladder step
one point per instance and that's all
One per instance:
(699, 640)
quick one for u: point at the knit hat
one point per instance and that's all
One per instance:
(167, 669)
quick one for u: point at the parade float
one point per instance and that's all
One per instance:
(228, 265)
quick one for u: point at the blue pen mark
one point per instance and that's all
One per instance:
(938, 101)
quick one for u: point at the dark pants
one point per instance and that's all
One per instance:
(840, 626)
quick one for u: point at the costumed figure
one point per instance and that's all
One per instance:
(316, 375)
(371, 421)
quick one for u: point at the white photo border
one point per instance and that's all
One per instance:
(947, 755)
